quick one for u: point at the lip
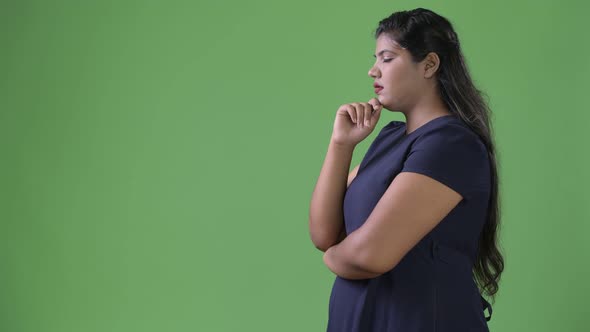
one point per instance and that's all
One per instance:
(378, 89)
(375, 85)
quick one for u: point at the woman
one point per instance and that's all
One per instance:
(411, 235)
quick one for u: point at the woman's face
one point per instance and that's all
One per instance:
(399, 76)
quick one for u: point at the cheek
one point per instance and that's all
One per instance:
(397, 83)
(397, 77)
(401, 87)
(405, 82)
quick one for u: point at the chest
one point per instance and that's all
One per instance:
(382, 162)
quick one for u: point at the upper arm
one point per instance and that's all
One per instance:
(443, 167)
(352, 175)
(410, 208)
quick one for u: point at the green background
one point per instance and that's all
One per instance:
(158, 158)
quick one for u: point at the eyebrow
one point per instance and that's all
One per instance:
(382, 51)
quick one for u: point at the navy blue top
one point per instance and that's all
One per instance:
(432, 288)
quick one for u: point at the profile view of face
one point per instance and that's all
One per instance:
(395, 71)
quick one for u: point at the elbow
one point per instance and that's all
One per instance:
(322, 248)
(323, 241)
(374, 262)
(321, 245)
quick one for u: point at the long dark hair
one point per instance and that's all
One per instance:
(421, 31)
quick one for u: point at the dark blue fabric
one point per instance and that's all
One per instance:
(432, 288)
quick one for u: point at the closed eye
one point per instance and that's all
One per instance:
(387, 60)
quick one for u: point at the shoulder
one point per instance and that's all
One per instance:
(390, 129)
(451, 136)
(452, 154)
(391, 126)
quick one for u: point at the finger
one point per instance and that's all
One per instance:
(355, 112)
(376, 115)
(375, 103)
(368, 109)
(360, 114)
(351, 112)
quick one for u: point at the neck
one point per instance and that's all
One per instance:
(427, 109)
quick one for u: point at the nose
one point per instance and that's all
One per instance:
(372, 72)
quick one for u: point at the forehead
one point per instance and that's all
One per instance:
(386, 45)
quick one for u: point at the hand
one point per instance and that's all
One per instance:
(355, 121)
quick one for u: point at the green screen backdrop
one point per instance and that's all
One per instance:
(158, 158)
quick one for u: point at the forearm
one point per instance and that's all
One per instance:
(326, 219)
(342, 260)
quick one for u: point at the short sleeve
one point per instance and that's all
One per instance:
(452, 155)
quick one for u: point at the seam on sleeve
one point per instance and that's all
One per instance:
(442, 179)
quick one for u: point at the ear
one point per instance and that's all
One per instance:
(431, 63)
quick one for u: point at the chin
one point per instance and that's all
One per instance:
(384, 103)
(387, 103)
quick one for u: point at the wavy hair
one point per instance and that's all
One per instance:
(422, 31)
